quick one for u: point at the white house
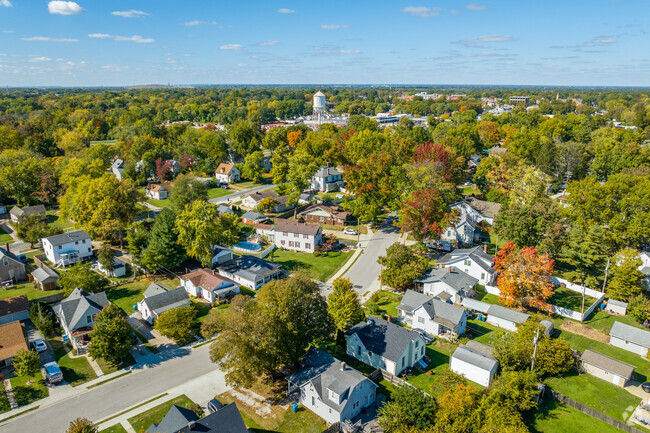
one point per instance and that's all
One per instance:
(119, 268)
(221, 255)
(327, 179)
(77, 314)
(475, 362)
(67, 248)
(473, 261)
(505, 317)
(292, 235)
(227, 173)
(478, 210)
(18, 213)
(628, 337)
(606, 368)
(253, 199)
(433, 316)
(447, 283)
(384, 345)
(330, 388)
(118, 168)
(157, 300)
(207, 284)
(645, 266)
(157, 192)
(463, 231)
(250, 271)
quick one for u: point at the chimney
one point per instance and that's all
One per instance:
(191, 424)
(7, 247)
(388, 317)
(343, 366)
(485, 248)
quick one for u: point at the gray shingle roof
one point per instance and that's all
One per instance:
(616, 303)
(79, 304)
(384, 338)
(27, 210)
(327, 171)
(607, 363)
(485, 208)
(45, 275)
(412, 300)
(475, 358)
(10, 256)
(250, 268)
(167, 300)
(154, 289)
(452, 276)
(177, 418)
(473, 304)
(73, 236)
(508, 314)
(444, 313)
(480, 257)
(225, 420)
(631, 334)
(254, 216)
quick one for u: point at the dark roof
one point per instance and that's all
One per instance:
(507, 314)
(631, 334)
(250, 268)
(446, 314)
(167, 300)
(10, 256)
(607, 363)
(177, 418)
(450, 275)
(68, 237)
(225, 420)
(74, 307)
(253, 216)
(13, 305)
(384, 338)
(292, 226)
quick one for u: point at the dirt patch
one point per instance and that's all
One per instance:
(585, 331)
(255, 401)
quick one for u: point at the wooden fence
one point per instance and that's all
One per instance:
(589, 411)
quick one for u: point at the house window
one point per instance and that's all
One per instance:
(313, 401)
(282, 242)
(76, 243)
(59, 246)
(296, 235)
(482, 275)
(468, 263)
(321, 218)
(297, 244)
(417, 343)
(290, 243)
(89, 319)
(83, 241)
(305, 237)
(402, 362)
(307, 246)
(88, 249)
(420, 319)
(5, 261)
(284, 233)
(358, 350)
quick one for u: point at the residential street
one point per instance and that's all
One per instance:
(122, 393)
(364, 273)
(237, 195)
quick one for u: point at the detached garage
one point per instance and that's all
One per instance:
(505, 317)
(606, 368)
(475, 362)
(628, 337)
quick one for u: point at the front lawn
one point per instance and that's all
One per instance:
(319, 268)
(27, 289)
(117, 428)
(156, 414)
(386, 301)
(109, 368)
(75, 370)
(218, 192)
(159, 203)
(25, 393)
(566, 298)
(598, 394)
(5, 237)
(202, 310)
(554, 417)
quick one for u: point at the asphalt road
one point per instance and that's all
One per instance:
(365, 270)
(237, 195)
(116, 396)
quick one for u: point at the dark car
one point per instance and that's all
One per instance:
(23, 258)
(645, 386)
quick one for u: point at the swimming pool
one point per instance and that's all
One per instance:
(247, 246)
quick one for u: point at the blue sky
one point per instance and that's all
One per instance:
(104, 43)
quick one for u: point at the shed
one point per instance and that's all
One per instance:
(475, 306)
(628, 337)
(505, 317)
(606, 368)
(475, 362)
(548, 327)
(616, 307)
(45, 278)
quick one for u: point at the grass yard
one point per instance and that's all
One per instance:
(109, 368)
(117, 428)
(488, 298)
(202, 310)
(596, 393)
(602, 320)
(439, 353)
(386, 301)
(581, 343)
(26, 289)
(5, 237)
(159, 203)
(127, 295)
(75, 370)
(566, 298)
(319, 268)
(53, 221)
(482, 332)
(218, 192)
(280, 420)
(554, 417)
(25, 393)
(154, 415)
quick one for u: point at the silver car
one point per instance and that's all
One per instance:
(39, 345)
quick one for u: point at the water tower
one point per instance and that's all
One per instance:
(319, 106)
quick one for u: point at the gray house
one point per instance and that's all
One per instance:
(384, 345)
(157, 300)
(77, 313)
(18, 213)
(11, 269)
(628, 337)
(448, 283)
(330, 388)
(226, 419)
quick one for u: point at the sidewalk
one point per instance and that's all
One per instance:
(363, 240)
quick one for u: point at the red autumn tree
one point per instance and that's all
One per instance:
(294, 137)
(425, 213)
(163, 170)
(524, 277)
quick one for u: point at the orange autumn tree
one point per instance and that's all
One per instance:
(524, 277)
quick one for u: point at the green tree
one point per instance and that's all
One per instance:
(200, 228)
(626, 280)
(163, 249)
(344, 306)
(253, 168)
(408, 408)
(111, 335)
(586, 252)
(34, 227)
(41, 318)
(27, 363)
(401, 266)
(539, 223)
(186, 189)
(20, 174)
(639, 308)
(273, 331)
(280, 162)
(267, 204)
(177, 324)
(82, 277)
(82, 425)
(137, 238)
(105, 257)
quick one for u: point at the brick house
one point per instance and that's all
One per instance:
(326, 213)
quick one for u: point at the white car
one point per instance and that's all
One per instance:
(39, 345)
(350, 232)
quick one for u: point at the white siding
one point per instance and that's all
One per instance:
(501, 323)
(472, 268)
(604, 375)
(83, 247)
(434, 289)
(471, 372)
(629, 346)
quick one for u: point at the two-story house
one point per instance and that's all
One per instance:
(463, 231)
(158, 191)
(384, 345)
(250, 271)
(330, 388)
(478, 210)
(67, 248)
(433, 316)
(473, 261)
(227, 173)
(292, 235)
(327, 179)
(448, 283)
(11, 269)
(77, 314)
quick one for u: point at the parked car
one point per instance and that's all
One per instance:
(23, 258)
(426, 337)
(39, 345)
(352, 232)
(645, 386)
(52, 373)
(214, 405)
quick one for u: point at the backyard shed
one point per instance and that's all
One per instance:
(548, 327)
(606, 368)
(475, 362)
(628, 337)
(505, 317)
(616, 307)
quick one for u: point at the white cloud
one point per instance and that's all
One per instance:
(135, 38)
(333, 26)
(268, 43)
(131, 13)
(48, 39)
(231, 47)
(329, 50)
(598, 42)
(199, 23)
(40, 59)
(286, 11)
(5, 3)
(475, 7)
(64, 8)
(484, 39)
(422, 11)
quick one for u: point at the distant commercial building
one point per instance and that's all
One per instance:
(520, 99)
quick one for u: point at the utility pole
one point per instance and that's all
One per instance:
(381, 276)
(582, 315)
(605, 282)
(532, 364)
(496, 246)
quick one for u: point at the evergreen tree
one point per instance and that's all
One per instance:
(163, 249)
(627, 281)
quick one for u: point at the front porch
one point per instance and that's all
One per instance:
(80, 339)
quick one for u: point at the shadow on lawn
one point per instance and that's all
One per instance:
(26, 394)
(120, 292)
(544, 411)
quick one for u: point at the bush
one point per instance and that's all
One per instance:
(196, 408)
(316, 253)
(639, 308)
(41, 318)
(373, 308)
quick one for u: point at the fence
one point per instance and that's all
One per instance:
(576, 287)
(589, 411)
(492, 290)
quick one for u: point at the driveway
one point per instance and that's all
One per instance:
(153, 337)
(34, 334)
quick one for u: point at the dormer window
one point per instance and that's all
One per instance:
(334, 397)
